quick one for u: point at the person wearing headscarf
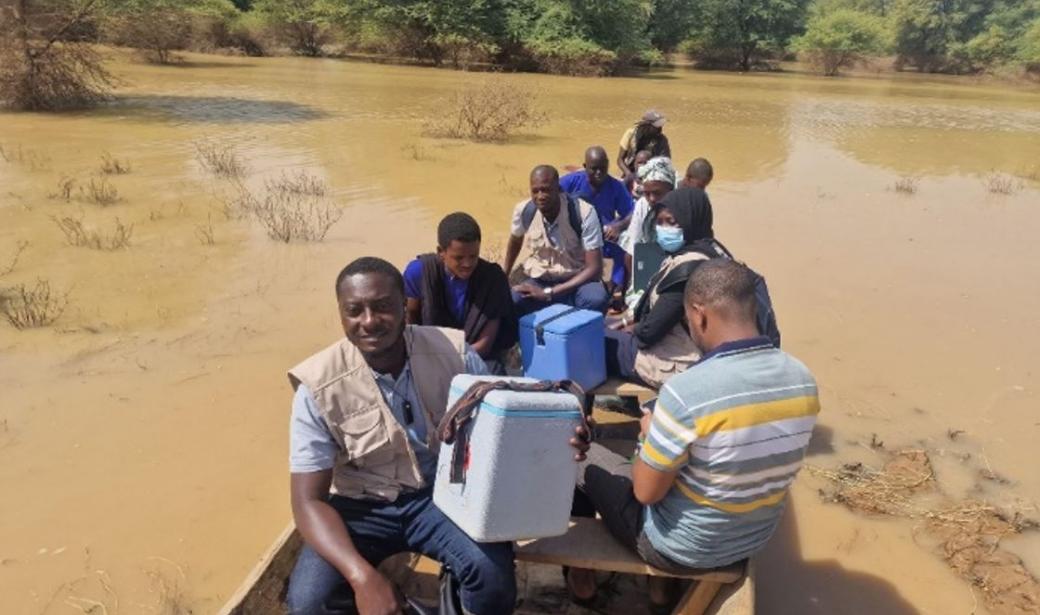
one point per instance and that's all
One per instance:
(647, 134)
(656, 345)
(657, 177)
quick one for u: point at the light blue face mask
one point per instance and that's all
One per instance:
(670, 238)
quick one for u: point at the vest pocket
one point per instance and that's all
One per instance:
(363, 433)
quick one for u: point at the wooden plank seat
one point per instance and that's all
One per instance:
(588, 544)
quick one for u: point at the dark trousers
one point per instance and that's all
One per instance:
(412, 523)
(589, 296)
(605, 479)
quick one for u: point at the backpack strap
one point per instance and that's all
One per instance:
(452, 426)
(573, 213)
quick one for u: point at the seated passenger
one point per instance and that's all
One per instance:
(364, 425)
(612, 201)
(456, 288)
(656, 345)
(564, 240)
(657, 176)
(720, 448)
(634, 184)
(699, 174)
(648, 134)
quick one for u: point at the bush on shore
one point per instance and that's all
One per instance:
(839, 39)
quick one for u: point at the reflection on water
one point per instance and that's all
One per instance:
(213, 109)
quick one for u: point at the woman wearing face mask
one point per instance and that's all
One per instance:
(654, 344)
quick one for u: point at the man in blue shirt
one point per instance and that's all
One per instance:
(612, 201)
(456, 288)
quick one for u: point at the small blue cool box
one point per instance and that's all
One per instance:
(561, 342)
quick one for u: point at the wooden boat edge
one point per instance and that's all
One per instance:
(260, 593)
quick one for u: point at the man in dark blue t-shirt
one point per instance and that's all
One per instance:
(612, 201)
(455, 288)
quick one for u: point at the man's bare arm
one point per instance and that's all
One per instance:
(650, 485)
(512, 251)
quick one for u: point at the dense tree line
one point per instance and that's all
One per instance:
(47, 41)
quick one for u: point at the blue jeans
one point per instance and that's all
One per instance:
(589, 296)
(412, 523)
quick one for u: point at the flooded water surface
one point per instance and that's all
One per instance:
(143, 435)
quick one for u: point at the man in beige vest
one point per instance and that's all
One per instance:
(564, 240)
(364, 424)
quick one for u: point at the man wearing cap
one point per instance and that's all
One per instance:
(646, 134)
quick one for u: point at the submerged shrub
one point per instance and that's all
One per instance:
(99, 192)
(219, 159)
(289, 216)
(76, 234)
(487, 112)
(27, 307)
(42, 67)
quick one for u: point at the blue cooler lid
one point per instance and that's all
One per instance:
(560, 319)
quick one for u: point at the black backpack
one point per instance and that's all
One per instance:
(713, 248)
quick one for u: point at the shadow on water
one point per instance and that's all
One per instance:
(209, 64)
(212, 109)
(788, 583)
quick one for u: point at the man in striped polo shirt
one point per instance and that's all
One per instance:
(721, 447)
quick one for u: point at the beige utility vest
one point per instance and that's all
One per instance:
(375, 459)
(546, 261)
(676, 351)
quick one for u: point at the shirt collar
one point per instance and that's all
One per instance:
(737, 346)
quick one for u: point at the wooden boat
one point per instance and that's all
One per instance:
(263, 591)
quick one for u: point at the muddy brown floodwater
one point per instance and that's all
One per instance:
(143, 435)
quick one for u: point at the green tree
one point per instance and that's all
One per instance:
(1029, 46)
(434, 30)
(743, 32)
(305, 26)
(838, 39)
(670, 23)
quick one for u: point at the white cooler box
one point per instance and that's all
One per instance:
(520, 470)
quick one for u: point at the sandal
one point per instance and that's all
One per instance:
(582, 602)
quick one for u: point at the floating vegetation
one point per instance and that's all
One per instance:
(27, 307)
(968, 532)
(76, 234)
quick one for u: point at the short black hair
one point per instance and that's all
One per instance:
(546, 168)
(371, 264)
(458, 226)
(725, 285)
(701, 169)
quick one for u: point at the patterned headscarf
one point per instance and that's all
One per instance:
(658, 169)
